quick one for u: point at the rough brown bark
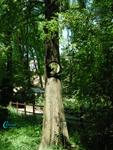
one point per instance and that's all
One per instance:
(54, 117)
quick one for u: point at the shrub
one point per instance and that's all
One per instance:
(3, 116)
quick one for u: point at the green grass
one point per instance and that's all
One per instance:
(25, 136)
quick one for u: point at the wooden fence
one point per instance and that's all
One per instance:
(24, 104)
(71, 117)
(74, 118)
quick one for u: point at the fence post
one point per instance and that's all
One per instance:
(17, 106)
(25, 107)
(34, 108)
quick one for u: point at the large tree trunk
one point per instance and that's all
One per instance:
(54, 121)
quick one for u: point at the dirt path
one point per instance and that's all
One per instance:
(29, 110)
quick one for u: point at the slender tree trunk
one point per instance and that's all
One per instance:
(21, 52)
(41, 81)
(54, 120)
(39, 74)
(7, 84)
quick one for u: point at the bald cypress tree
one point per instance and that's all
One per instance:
(54, 130)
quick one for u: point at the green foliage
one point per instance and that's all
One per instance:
(98, 134)
(39, 101)
(21, 41)
(87, 70)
